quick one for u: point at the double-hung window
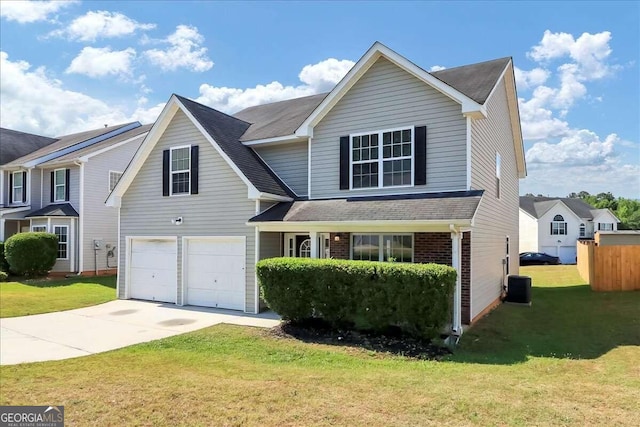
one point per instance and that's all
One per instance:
(62, 233)
(382, 247)
(558, 226)
(382, 159)
(605, 226)
(180, 170)
(17, 189)
(59, 185)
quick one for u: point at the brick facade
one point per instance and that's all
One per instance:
(339, 249)
(432, 247)
(465, 277)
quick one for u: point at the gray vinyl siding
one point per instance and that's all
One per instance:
(98, 220)
(74, 189)
(220, 209)
(290, 162)
(388, 97)
(35, 185)
(270, 245)
(495, 218)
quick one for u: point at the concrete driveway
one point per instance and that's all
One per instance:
(116, 324)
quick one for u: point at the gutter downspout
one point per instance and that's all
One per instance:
(456, 261)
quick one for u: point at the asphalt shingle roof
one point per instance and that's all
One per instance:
(278, 118)
(62, 209)
(64, 142)
(226, 132)
(416, 207)
(538, 206)
(474, 80)
(15, 144)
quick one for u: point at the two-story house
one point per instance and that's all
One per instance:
(61, 188)
(395, 163)
(554, 225)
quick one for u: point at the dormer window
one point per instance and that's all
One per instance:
(558, 226)
(59, 185)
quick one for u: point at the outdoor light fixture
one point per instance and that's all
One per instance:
(336, 238)
(176, 221)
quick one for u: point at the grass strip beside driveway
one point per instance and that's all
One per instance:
(39, 296)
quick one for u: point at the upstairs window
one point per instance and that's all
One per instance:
(558, 226)
(59, 185)
(114, 177)
(498, 168)
(605, 226)
(382, 159)
(17, 187)
(180, 170)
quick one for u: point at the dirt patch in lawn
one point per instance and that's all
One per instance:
(392, 342)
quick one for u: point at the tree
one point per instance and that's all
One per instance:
(627, 210)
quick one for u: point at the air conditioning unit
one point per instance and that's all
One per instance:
(519, 289)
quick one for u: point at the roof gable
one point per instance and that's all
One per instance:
(223, 132)
(538, 206)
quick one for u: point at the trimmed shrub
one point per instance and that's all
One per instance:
(31, 254)
(416, 298)
(4, 265)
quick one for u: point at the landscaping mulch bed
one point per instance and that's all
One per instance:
(392, 342)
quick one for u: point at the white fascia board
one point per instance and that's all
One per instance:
(275, 140)
(119, 144)
(254, 194)
(514, 117)
(14, 210)
(361, 226)
(143, 152)
(469, 106)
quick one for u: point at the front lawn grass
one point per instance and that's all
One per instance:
(231, 375)
(38, 296)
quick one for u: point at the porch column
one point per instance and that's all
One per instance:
(2, 229)
(313, 235)
(456, 257)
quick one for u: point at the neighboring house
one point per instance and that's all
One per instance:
(395, 162)
(554, 225)
(14, 144)
(61, 188)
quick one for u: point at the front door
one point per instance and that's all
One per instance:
(299, 245)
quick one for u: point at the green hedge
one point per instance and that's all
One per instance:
(4, 265)
(368, 295)
(31, 254)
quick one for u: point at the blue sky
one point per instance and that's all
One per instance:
(73, 66)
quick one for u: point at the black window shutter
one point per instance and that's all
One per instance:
(24, 187)
(420, 177)
(551, 230)
(53, 188)
(165, 173)
(344, 162)
(194, 169)
(10, 187)
(67, 175)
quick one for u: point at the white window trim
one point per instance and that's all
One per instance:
(498, 175)
(33, 228)
(381, 159)
(56, 185)
(560, 225)
(381, 247)
(109, 180)
(13, 187)
(582, 230)
(66, 227)
(171, 171)
(605, 226)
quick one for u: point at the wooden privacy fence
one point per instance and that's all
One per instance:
(609, 268)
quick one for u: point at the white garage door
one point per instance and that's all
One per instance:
(215, 272)
(153, 270)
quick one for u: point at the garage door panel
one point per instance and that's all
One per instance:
(153, 270)
(215, 272)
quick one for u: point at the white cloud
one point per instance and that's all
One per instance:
(31, 11)
(100, 24)
(532, 78)
(437, 68)
(100, 62)
(580, 148)
(315, 78)
(33, 102)
(537, 122)
(184, 51)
